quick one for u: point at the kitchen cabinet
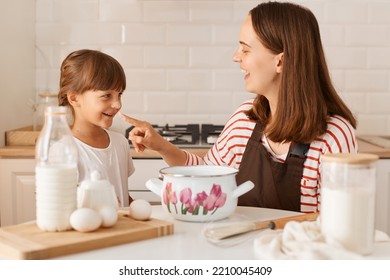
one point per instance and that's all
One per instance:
(17, 191)
(145, 169)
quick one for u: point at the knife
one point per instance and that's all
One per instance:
(223, 232)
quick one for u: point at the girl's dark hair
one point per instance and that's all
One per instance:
(85, 70)
(306, 97)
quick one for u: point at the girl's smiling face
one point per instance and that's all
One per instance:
(260, 66)
(98, 107)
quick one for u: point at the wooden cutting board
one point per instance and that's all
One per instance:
(26, 241)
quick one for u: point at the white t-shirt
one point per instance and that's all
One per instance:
(114, 163)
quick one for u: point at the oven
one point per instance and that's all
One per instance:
(187, 135)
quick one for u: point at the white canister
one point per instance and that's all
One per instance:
(96, 193)
(348, 188)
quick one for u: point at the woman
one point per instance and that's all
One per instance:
(277, 139)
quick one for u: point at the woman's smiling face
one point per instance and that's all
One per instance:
(260, 66)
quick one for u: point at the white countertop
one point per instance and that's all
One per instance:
(188, 243)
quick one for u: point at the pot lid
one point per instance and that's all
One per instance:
(198, 171)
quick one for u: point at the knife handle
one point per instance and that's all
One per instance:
(280, 223)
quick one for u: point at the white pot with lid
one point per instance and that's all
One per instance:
(199, 193)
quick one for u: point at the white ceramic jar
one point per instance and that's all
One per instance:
(347, 213)
(96, 193)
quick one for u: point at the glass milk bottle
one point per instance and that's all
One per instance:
(348, 200)
(45, 100)
(55, 172)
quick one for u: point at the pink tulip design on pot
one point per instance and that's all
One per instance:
(169, 196)
(185, 199)
(215, 200)
(198, 202)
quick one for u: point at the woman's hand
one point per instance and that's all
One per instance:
(143, 135)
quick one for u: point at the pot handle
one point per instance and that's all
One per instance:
(155, 185)
(243, 188)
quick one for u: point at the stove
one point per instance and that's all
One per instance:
(187, 135)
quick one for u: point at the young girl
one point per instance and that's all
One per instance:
(91, 84)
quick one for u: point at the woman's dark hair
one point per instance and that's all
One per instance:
(306, 97)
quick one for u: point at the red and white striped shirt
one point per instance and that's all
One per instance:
(231, 143)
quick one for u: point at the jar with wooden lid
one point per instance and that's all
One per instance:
(348, 185)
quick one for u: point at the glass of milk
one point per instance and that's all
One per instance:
(348, 200)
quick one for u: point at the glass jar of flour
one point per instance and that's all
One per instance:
(348, 187)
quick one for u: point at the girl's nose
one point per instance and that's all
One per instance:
(117, 104)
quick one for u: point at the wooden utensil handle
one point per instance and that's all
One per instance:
(280, 223)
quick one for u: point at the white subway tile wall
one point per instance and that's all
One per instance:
(178, 54)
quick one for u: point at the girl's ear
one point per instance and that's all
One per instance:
(73, 99)
(279, 66)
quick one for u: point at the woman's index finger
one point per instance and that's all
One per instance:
(130, 120)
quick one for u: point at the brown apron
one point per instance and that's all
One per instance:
(277, 185)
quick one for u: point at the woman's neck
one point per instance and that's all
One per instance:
(278, 148)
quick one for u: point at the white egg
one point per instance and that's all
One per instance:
(140, 210)
(85, 220)
(109, 216)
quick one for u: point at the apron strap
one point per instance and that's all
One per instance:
(299, 150)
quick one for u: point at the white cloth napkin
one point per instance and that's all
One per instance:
(303, 240)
